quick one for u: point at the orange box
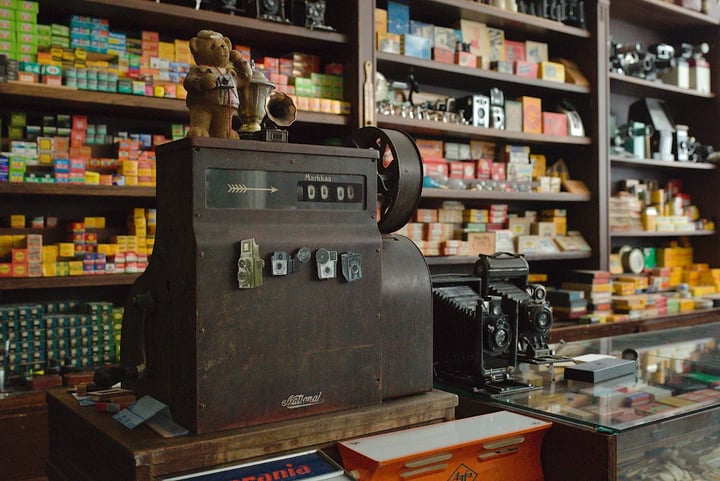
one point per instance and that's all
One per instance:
(430, 149)
(19, 256)
(532, 114)
(19, 270)
(5, 269)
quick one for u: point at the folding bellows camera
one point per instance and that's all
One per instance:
(485, 324)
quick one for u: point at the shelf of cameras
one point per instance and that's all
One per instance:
(254, 21)
(474, 194)
(457, 76)
(665, 164)
(440, 124)
(661, 13)
(170, 108)
(464, 260)
(668, 69)
(62, 282)
(566, 17)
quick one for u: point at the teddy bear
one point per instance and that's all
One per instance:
(212, 86)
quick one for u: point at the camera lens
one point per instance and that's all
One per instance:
(322, 255)
(541, 318)
(501, 338)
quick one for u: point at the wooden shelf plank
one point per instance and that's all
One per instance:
(136, 15)
(569, 332)
(16, 283)
(642, 233)
(455, 76)
(463, 260)
(503, 196)
(637, 86)
(659, 14)
(131, 104)
(29, 188)
(663, 163)
(495, 16)
(429, 127)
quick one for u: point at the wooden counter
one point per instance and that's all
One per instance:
(85, 445)
(23, 435)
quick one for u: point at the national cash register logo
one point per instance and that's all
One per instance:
(302, 400)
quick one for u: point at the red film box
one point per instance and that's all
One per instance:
(483, 169)
(526, 69)
(443, 55)
(554, 123)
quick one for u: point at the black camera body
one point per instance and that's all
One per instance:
(506, 276)
(485, 324)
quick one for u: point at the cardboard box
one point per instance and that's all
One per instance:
(398, 18)
(482, 242)
(523, 68)
(389, 42)
(554, 123)
(513, 116)
(443, 55)
(552, 71)
(416, 46)
(531, 114)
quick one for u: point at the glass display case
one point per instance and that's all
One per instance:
(661, 422)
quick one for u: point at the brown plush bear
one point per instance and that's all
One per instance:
(212, 86)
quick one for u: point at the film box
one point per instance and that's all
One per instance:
(600, 370)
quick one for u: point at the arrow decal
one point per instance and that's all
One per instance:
(243, 189)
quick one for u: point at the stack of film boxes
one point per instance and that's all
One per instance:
(65, 333)
(18, 34)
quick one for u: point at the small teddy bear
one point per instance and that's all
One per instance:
(212, 86)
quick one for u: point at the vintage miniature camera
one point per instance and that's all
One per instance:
(497, 108)
(475, 109)
(224, 81)
(250, 265)
(280, 262)
(326, 263)
(351, 266)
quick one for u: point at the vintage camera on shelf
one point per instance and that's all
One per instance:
(569, 12)
(632, 59)
(485, 324)
(272, 10)
(310, 14)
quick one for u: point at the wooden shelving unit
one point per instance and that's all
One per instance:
(130, 105)
(76, 190)
(429, 127)
(470, 194)
(455, 76)
(64, 282)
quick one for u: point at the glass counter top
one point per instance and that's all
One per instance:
(678, 372)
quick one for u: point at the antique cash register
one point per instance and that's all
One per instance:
(275, 288)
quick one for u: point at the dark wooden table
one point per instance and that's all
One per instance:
(85, 445)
